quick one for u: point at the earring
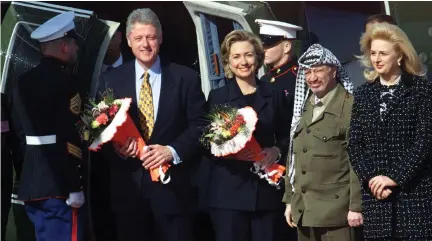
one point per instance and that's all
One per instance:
(399, 63)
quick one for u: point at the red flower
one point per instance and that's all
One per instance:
(113, 110)
(102, 119)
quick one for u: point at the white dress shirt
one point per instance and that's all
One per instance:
(155, 83)
(116, 64)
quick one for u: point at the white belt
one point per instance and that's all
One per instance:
(41, 140)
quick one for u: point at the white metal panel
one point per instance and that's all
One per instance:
(218, 10)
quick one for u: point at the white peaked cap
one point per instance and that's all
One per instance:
(277, 28)
(55, 28)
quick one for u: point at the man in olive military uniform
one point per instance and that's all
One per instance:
(47, 105)
(322, 192)
(277, 38)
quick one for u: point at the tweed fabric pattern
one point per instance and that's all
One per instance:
(398, 146)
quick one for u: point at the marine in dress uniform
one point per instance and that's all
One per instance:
(277, 40)
(47, 104)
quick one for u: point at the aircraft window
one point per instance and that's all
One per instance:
(23, 53)
(416, 21)
(216, 29)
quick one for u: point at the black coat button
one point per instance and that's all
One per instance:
(336, 196)
(325, 139)
(308, 130)
(303, 190)
(304, 150)
(303, 172)
(300, 211)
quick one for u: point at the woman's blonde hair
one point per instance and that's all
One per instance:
(240, 36)
(410, 62)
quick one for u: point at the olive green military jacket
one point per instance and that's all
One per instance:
(325, 186)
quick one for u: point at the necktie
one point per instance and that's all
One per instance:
(145, 106)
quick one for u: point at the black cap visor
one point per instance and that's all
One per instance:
(271, 40)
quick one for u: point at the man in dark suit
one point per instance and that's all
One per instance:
(168, 107)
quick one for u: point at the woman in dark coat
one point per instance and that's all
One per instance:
(242, 206)
(391, 138)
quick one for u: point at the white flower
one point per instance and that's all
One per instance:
(118, 102)
(102, 106)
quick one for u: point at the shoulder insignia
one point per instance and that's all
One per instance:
(75, 104)
(74, 150)
(272, 80)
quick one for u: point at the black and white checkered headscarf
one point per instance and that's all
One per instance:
(315, 55)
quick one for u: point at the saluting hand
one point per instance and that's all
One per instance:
(156, 155)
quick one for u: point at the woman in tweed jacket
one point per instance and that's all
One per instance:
(391, 138)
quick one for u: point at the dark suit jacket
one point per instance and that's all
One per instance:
(232, 184)
(400, 147)
(180, 115)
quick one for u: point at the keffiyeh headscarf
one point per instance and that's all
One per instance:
(315, 55)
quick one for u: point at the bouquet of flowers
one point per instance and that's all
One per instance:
(108, 121)
(231, 132)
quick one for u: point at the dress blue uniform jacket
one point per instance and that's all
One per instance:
(46, 102)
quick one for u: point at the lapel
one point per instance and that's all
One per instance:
(307, 113)
(130, 87)
(400, 92)
(125, 87)
(263, 92)
(235, 95)
(166, 97)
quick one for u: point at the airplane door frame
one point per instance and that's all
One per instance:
(52, 9)
(218, 10)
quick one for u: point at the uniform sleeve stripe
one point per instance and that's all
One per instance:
(74, 150)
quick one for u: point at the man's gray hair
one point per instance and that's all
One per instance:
(143, 16)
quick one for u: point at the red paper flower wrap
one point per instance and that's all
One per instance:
(120, 130)
(243, 140)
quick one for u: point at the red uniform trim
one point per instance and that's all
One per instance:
(74, 224)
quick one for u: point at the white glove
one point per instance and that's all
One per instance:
(76, 199)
